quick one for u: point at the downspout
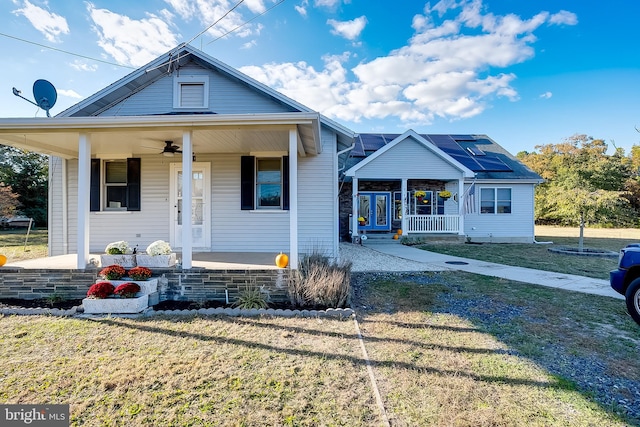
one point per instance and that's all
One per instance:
(346, 150)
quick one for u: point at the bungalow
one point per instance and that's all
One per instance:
(189, 150)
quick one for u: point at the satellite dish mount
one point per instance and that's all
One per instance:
(44, 93)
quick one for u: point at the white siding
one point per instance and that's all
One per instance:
(137, 228)
(226, 96)
(408, 159)
(317, 200)
(235, 230)
(518, 226)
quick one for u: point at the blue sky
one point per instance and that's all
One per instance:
(523, 72)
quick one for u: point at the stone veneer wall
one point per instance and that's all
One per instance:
(173, 284)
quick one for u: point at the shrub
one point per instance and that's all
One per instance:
(100, 290)
(112, 272)
(251, 297)
(318, 282)
(139, 273)
(127, 290)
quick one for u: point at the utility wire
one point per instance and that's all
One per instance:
(218, 20)
(66, 51)
(246, 22)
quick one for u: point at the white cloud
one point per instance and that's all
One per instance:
(453, 67)
(249, 45)
(302, 10)
(546, 95)
(129, 41)
(564, 17)
(327, 3)
(83, 66)
(70, 93)
(49, 24)
(350, 30)
(212, 11)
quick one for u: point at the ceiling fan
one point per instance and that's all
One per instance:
(169, 149)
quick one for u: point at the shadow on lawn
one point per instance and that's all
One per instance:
(142, 325)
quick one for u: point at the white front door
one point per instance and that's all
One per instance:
(200, 202)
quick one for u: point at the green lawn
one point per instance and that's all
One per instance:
(16, 245)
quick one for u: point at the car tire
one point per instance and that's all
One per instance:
(632, 297)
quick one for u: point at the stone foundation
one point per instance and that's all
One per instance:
(196, 284)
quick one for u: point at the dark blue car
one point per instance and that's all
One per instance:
(626, 279)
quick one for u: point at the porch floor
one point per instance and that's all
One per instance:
(208, 260)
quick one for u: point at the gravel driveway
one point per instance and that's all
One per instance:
(365, 259)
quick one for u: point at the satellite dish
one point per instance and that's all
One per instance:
(43, 92)
(45, 95)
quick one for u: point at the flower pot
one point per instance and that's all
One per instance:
(144, 260)
(148, 286)
(116, 305)
(128, 260)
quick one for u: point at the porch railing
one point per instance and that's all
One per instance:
(433, 223)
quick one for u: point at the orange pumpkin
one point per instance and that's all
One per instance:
(282, 260)
(3, 260)
(395, 237)
(399, 231)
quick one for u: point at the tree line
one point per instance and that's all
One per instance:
(24, 184)
(584, 183)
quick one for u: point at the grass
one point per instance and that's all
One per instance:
(12, 244)
(468, 350)
(442, 349)
(539, 257)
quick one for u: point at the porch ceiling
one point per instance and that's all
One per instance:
(119, 136)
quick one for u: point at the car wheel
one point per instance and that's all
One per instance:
(633, 300)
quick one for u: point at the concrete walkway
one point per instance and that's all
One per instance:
(520, 274)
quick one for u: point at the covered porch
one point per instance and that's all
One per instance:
(176, 192)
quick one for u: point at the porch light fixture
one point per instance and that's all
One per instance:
(167, 153)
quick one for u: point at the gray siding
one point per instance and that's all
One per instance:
(226, 96)
(518, 226)
(409, 159)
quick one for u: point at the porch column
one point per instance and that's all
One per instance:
(403, 197)
(84, 197)
(187, 210)
(293, 199)
(461, 207)
(354, 208)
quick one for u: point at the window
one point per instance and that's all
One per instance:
(268, 183)
(264, 183)
(118, 188)
(191, 92)
(495, 200)
(115, 184)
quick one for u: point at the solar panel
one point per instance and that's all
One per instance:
(463, 137)
(372, 142)
(358, 151)
(447, 144)
(493, 164)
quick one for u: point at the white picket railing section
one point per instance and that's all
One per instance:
(433, 223)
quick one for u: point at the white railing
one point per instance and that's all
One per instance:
(433, 223)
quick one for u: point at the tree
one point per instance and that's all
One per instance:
(583, 184)
(8, 201)
(27, 174)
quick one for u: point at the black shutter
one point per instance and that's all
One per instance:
(94, 186)
(133, 184)
(285, 183)
(247, 183)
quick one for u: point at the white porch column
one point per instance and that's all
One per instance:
(84, 200)
(187, 209)
(461, 206)
(293, 198)
(354, 207)
(403, 197)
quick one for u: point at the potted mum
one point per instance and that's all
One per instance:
(100, 290)
(139, 273)
(112, 272)
(127, 290)
(158, 254)
(118, 253)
